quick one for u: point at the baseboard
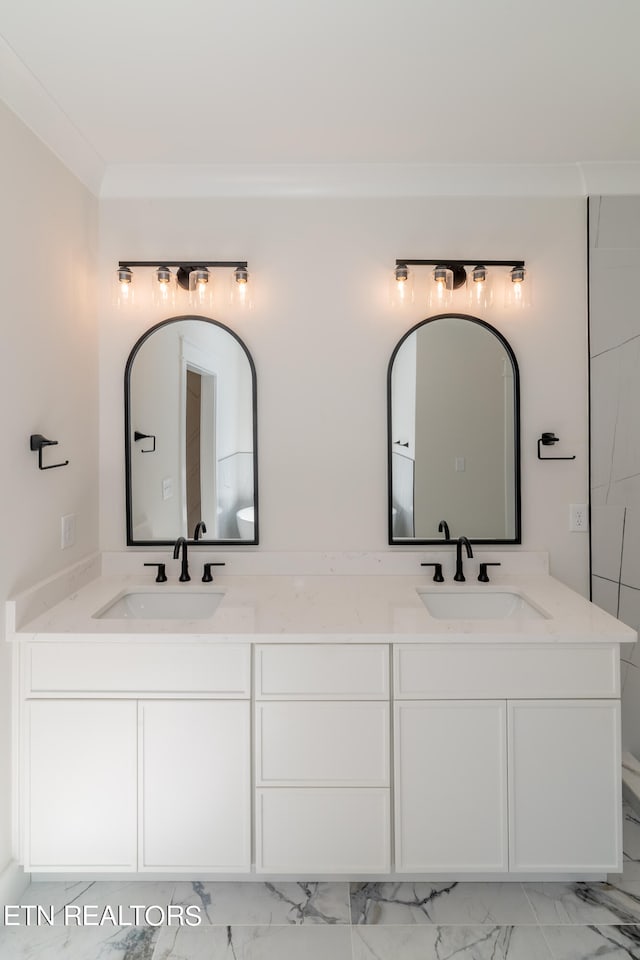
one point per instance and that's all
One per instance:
(13, 882)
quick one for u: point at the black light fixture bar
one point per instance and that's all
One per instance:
(444, 260)
(184, 263)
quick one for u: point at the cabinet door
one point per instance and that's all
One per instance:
(81, 785)
(195, 785)
(451, 786)
(564, 785)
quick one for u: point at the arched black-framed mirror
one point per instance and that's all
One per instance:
(191, 435)
(453, 433)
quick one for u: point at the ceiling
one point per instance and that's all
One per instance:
(148, 82)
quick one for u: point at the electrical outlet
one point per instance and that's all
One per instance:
(67, 531)
(578, 518)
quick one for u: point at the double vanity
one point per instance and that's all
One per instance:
(317, 716)
(330, 722)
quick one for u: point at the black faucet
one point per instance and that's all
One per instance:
(201, 527)
(443, 527)
(459, 575)
(181, 543)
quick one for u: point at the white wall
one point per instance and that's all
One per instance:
(321, 335)
(48, 372)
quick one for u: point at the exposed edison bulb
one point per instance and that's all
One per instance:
(401, 286)
(479, 288)
(163, 294)
(125, 291)
(200, 288)
(517, 289)
(241, 290)
(441, 290)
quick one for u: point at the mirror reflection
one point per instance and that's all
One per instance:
(190, 423)
(453, 434)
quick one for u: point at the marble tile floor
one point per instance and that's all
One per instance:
(340, 921)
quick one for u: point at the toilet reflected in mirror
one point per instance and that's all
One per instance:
(246, 523)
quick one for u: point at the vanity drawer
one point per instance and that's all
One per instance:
(112, 668)
(331, 671)
(322, 831)
(322, 744)
(439, 671)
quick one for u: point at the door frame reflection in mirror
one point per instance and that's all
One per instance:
(409, 541)
(128, 434)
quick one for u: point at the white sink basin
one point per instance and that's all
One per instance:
(157, 605)
(479, 605)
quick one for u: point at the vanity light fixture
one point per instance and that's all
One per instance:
(401, 286)
(126, 291)
(517, 294)
(163, 294)
(479, 288)
(193, 277)
(441, 290)
(241, 291)
(199, 287)
(476, 275)
(198, 277)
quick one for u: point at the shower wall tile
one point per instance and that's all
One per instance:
(605, 380)
(605, 594)
(630, 574)
(614, 223)
(614, 264)
(607, 524)
(624, 492)
(613, 295)
(626, 450)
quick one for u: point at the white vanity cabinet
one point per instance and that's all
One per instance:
(135, 757)
(322, 759)
(536, 756)
(482, 758)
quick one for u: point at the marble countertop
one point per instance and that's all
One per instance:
(316, 608)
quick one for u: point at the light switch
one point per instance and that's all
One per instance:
(460, 465)
(167, 488)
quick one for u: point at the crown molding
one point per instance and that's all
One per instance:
(617, 178)
(27, 98)
(340, 180)
(369, 180)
